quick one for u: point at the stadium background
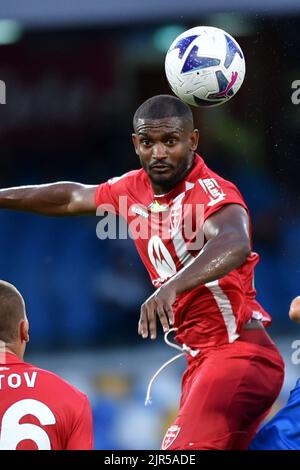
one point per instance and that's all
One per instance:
(75, 74)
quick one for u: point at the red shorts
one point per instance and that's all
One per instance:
(226, 393)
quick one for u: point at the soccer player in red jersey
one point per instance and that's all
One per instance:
(38, 409)
(192, 230)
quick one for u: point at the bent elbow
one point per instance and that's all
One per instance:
(244, 250)
(247, 250)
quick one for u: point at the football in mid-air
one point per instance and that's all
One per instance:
(205, 66)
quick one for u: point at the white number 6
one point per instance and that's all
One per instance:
(12, 432)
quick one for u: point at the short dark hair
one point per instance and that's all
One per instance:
(12, 310)
(162, 106)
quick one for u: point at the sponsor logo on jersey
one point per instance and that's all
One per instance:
(161, 258)
(170, 436)
(213, 190)
(140, 210)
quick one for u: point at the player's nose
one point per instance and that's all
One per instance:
(159, 151)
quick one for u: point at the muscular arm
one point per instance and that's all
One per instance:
(227, 247)
(64, 198)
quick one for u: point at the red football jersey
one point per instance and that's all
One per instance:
(167, 233)
(41, 411)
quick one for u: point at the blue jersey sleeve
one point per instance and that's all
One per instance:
(282, 432)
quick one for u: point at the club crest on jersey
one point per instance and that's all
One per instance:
(213, 190)
(155, 206)
(175, 218)
(170, 436)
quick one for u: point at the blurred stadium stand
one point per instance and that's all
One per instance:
(35, 13)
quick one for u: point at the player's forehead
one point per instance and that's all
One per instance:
(162, 126)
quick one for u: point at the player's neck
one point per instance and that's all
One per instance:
(11, 349)
(161, 190)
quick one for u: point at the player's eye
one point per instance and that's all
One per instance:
(146, 142)
(171, 141)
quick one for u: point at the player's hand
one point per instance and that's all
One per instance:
(294, 312)
(158, 305)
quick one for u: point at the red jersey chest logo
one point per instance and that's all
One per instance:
(161, 258)
(213, 190)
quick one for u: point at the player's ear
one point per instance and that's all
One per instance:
(24, 330)
(135, 142)
(194, 139)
